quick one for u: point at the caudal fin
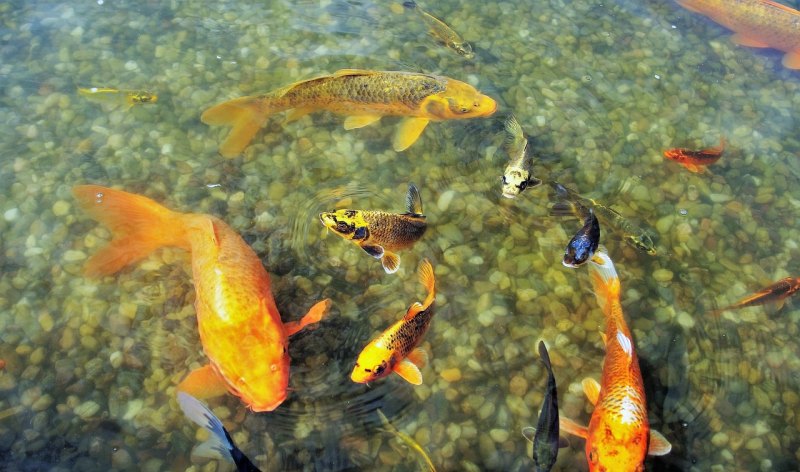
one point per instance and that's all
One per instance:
(139, 226)
(605, 280)
(246, 115)
(427, 279)
(218, 445)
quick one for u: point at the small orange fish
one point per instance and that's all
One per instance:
(618, 436)
(395, 350)
(2, 364)
(757, 24)
(696, 161)
(240, 328)
(777, 293)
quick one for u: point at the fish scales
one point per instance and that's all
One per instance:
(403, 339)
(402, 230)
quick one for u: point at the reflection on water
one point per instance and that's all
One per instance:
(91, 365)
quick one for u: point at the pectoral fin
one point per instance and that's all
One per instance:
(568, 426)
(529, 432)
(418, 357)
(297, 113)
(391, 262)
(314, 315)
(659, 445)
(743, 40)
(360, 121)
(203, 383)
(408, 371)
(791, 60)
(409, 131)
(592, 389)
(374, 251)
(693, 168)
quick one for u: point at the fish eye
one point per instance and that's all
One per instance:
(523, 185)
(342, 226)
(379, 370)
(503, 178)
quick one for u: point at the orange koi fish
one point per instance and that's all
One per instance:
(696, 161)
(395, 350)
(619, 434)
(240, 328)
(777, 293)
(364, 96)
(757, 24)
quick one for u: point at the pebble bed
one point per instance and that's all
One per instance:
(91, 366)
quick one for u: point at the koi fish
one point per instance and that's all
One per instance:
(364, 96)
(439, 30)
(220, 445)
(240, 327)
(112, 95)
(619, 434)
(517, 176)
(410, 442)
(395, 350)
(584, 243)
(544, 437)
(380, 233)
(633, 235)
(777, 293)
(696, 161)
(757, 24)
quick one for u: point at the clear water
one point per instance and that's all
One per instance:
(602, 87)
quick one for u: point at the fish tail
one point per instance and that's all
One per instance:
(246, 115)
(218, 445)
(138, 225)
(605, 280)
(427, 279)
(410, 5)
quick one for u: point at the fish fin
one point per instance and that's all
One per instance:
(410, 5)
(138, 225)
(563, 442)
(360, 121)
(426, 278)
(343, 72)
(604, 338)
(659, 445)
(791, 60)
(605, 281)
(626, 344)
(692, 167)
(570, 427)
(545, 356)
(591, 388)
(246, 115)
(413, 201)
(529, 432)
(314, 315)
(690, 5)
(743, 40)
(297, 113)
(203, 382)
(412, 311)
(409, 372)
(534, 182)
(218, 445)
(563, 209)
(374, 251)
(409, 131)
(418, 357)
(390, 261)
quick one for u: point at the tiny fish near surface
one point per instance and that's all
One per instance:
(443, 33)
(112, 95)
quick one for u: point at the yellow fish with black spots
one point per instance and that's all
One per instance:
(112, 95)
(380, 233)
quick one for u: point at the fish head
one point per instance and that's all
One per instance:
(583, 245)
(144, 97)
(349, 224)
(515, 180)
(458, 101)
(609, 454)
(643, 242)
(373, 363)
(462, 49)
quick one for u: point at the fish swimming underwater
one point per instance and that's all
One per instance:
(220, 445)
(545, 437)
(518, 173)
(240, 328)
(395, 350)
(439, 30)
(775, 293)
(584, 243)
(112, 95)
(364, 96)
(757, 24)
(380, 233)
(633, 235)
(619, 434)
(408, 440)
(695, 161)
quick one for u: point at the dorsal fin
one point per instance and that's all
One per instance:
(413, 201)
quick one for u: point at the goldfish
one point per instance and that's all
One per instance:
(439, 30)
(395, 350)
(585, 241)
(220, 444)
(775, 293)
(618, 436)
(633, 235)
(518, 175)
(544, 437)
(380, 233)
(364, 96)
(410, 442)
(696, 161)
(112, 95)
(757, 24)
(240, 327)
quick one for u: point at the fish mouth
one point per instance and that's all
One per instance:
(509, 194)
(570, 262)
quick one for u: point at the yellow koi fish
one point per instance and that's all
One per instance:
(439, 30)
(518, 173)
(112, 95)
(364, 96)
(395, 350)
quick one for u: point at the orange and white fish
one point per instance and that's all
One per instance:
(695, 161)
(757, 24)
(395, 350)
(619, 434)
(364, 96)
(240, 328)
(775, 293)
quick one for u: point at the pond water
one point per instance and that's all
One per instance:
(91, 365)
